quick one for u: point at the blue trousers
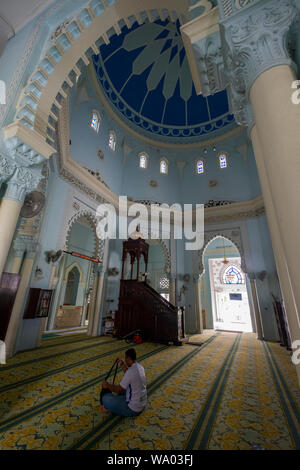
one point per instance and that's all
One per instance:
(118, 404)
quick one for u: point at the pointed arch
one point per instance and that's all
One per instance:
(209, 237)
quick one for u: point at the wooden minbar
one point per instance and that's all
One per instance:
(141, 307)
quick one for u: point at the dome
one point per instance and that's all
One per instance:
(145, 75)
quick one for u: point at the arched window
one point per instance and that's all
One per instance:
(143, 160)
(164, 166)
(200, 167)
(95, 122)
(72, 287)
(233, 275)
(223, 160)
(112, 141)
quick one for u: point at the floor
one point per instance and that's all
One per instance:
(232, 392)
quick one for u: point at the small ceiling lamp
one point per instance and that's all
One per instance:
(225, 260)
(205, 151)
(214, 148)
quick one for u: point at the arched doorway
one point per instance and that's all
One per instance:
(71, 307)
(225, 289)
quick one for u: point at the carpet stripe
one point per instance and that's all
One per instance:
(35, 378)
(287, 401)
(51, 356)
(25, 415)
(100, 431)
(201, 432)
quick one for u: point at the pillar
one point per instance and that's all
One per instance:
(98, 303)
(172, 289)
(284, 274)
(10, 338)
(198, 306)
(17, 261)
(22, 182)
(256, 307)
(260, 75)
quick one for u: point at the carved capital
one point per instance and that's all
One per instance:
(22, 182)
(210, 64)
(22, 153)
(7, 169)
(255, 40)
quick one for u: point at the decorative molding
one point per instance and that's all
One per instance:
(235, 211)
(22, 64)
(255, 40)
(91, 218)
(7, 169)
(22, 182)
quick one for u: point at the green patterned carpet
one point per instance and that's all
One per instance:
(233, 392)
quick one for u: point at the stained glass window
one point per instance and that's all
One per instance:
(223, 160)
(233, 275)
(112, 140)
(164, 167)
(143, 160)
(200, 167)
(95, 122)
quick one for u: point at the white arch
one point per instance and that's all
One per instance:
(99, 244)
(212, 237)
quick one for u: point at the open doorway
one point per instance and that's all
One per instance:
(71, 307)
(226, 286)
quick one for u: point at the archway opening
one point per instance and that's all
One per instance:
(226, 299)
(72, 302)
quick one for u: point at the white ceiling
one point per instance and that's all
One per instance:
(18, 13)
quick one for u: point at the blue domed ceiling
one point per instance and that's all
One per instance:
(144, 72)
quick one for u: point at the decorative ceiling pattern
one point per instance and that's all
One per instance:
(144, 72)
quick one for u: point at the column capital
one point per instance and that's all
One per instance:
(99, 269)
(254, 40)
(23, 181)
(7, 168)
(25, 243)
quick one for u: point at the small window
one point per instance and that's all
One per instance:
(164, 166)
(200, 167)
(223, 160)
(233, 275)
(143, 160)
(112, 142)
(95, 122)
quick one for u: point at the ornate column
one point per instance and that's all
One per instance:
(252, 47)
(261, 72)
(10, 339)
(22, 182)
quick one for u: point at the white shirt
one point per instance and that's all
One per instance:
(134, 382)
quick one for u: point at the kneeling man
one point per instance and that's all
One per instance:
(130, 397)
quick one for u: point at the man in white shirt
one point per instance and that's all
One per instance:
(130, 397)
